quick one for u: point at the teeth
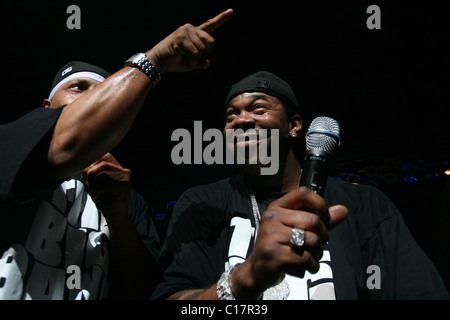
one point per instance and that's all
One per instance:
(248, 135)
(245, 137)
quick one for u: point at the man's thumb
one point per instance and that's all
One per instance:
(337, 214)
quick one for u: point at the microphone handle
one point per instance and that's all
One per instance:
(316, 166)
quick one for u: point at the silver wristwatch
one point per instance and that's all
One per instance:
(223, 285)
(140, 61)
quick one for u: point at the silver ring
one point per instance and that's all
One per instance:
(297, 237)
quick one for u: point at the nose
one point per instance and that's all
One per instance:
(244, 121)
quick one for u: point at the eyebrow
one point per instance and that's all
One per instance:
(252, 98)
(83, 81)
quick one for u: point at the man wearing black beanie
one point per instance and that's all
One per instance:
(256, 236)
(71, 226)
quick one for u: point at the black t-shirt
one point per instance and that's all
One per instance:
(370, 255)
(50, 230)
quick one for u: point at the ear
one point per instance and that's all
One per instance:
(46, 103)
(295, 125)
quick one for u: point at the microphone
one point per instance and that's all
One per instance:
(322, 140)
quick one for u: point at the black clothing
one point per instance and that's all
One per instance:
(207, 219)
(47, 227)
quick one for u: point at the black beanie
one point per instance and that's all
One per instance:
(270, 84)
(75, 69)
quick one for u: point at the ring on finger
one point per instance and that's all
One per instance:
(297, 237)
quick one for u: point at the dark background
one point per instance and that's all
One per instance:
(388, 88)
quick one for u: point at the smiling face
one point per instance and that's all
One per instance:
(252, 111)
(70, 91)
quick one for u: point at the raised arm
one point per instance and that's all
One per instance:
(99, 119)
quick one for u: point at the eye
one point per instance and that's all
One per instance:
(259, 109)
(78, 87)
(230, 115)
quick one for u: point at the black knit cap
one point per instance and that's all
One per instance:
(80, 67)
(266, 82)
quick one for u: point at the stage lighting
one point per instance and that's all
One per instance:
(410, 179)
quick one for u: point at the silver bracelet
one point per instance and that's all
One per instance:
(223, 285)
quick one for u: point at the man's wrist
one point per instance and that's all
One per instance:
(245, 286)
(141, 62)
(233, 285)
(224, 291)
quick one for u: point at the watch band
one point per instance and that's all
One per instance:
(140, 61)
(223, 285)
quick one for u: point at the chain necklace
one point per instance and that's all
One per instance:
(255, 210)
(281, 291)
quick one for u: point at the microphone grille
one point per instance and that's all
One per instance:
(323, 134)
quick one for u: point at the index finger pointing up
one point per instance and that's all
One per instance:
(214, 23)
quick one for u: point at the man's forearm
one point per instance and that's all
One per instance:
(196, 294)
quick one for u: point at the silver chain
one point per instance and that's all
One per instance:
(281, 291)
(256, 213)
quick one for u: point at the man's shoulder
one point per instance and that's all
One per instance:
(336, 185)
(368, 203)
(215, 188)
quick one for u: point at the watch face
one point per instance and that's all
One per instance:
(139, 56)
(134, 59)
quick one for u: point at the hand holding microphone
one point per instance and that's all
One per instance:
(294, 228)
